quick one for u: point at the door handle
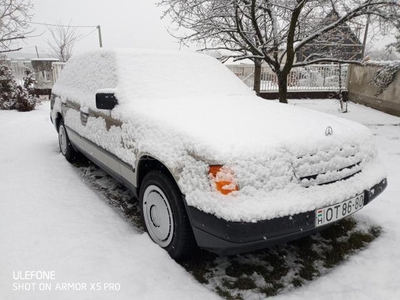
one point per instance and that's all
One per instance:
(84, 117)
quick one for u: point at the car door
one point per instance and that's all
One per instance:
(105, 102)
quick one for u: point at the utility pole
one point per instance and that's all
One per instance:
(37, 52)
(365, 37)
(100, 40)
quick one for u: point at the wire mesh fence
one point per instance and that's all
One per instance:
(308, 78)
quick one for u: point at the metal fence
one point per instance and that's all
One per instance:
(56, 69)
(309, 78)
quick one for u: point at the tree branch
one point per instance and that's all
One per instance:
(327, 60)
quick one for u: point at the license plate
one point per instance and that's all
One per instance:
(338, 211)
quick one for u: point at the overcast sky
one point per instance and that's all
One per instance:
(124, 23)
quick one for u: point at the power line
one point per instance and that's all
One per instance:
(86, 35)
(61, 25)
(39, 47)
(97, 27)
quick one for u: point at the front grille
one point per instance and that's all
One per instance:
(326, 167)
(309, 180)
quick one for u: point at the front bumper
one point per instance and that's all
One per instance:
(226, 238)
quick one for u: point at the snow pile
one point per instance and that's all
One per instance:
(188, 111)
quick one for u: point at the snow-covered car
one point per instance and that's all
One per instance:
(212, 164)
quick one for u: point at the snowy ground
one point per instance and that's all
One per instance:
(53, 221)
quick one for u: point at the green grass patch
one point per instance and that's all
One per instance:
(342, 249)
(201, 265)
(227, 294)
(237, 269)
(297, 282)
(271, 289)
(244, 283)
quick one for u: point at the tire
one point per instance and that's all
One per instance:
(65, 144)
(164, 215)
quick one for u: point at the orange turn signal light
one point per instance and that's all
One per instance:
(224, 179)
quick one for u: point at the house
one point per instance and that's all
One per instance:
(341, 42)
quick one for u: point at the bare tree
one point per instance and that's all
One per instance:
(14, 26)
(63, 41)
(387, 54)
(278, 31)
(394, 47)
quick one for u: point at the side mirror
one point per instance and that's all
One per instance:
(106, 101)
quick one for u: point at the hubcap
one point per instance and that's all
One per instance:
(62, 138)
(155, 219)
(158, 216)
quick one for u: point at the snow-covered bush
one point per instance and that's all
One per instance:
(386, 75)
(24, 101)
(14, 96)
(29, 80)
(7, 88)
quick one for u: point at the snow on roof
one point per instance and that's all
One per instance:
(45, 59)
(174, 74)
(382, 63)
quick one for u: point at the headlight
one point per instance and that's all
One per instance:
(223, 178)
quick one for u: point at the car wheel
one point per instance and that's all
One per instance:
(164, 215)
(65, 145)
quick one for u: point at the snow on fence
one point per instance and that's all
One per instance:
(57, 68)
(309, 78)
(18, 72)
